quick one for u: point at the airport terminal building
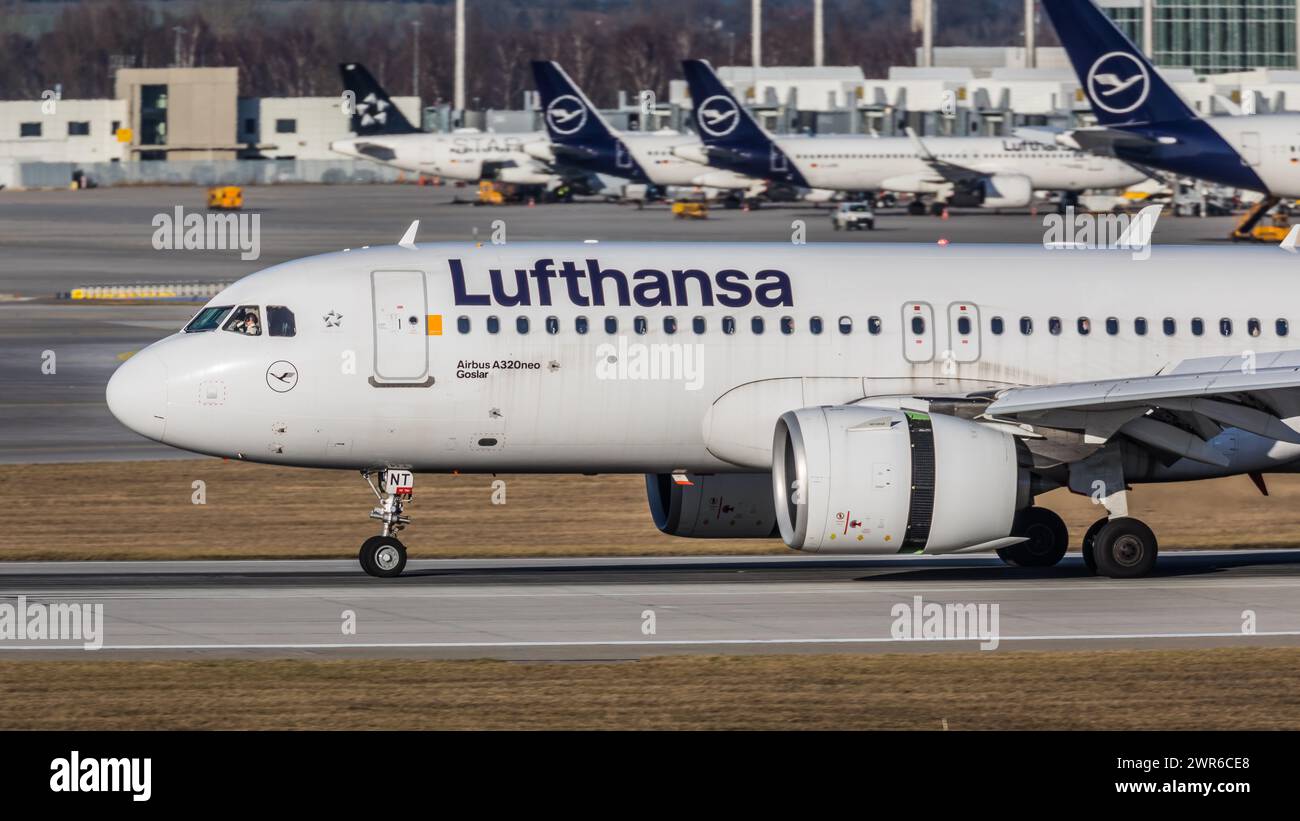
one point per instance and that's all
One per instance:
(1222, 57)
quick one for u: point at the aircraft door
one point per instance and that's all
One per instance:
(779, 164)
(918, 332)
(964, 331)
(1250, 147)
(402, 327)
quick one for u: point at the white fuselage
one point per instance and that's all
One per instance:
(655, 154)
(1269, 144)
(895, 164)
(389, 364)
(456, 156)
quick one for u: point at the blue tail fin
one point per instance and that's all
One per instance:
(720, 119)
(1119, 80)
(372, 111)
(569, 115)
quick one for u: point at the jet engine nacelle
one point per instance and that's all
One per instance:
(717, 506)
(693, 152)
(858, 479)
(1006, 191)
(916, 184)
(540, 151)
(523, 176)
(728, 180)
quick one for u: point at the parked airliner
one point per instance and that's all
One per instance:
(1142, 119)
(994, 172)
(580, 135)
(808, 392)
(383, 134)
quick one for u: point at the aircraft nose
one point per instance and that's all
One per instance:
(137, 394)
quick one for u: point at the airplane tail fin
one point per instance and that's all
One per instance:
(372, 110)
(720, 119)
(569, 115)
(1122, 85)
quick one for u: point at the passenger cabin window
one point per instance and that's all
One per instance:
(552, 325)
(996, 325)
(756, 324)
(846, 325)
(699, 324)
(640, 325)
(462, 324)
(815, 325)
(1112, 325)
(493, 325)
(728, 324)
(1026, 325)
(521, 324)
(1170, 326)
(1054, 325)
(1140, 326)
(787, 325)
(279, 321)
(580, 324)
(1225, 326)
(1282, 327)
(611, 324)
(1253, 327)
(208, 319)
(1198, 326)
(1084, 325)
(874, 325)
(670, 324)
(245, 320)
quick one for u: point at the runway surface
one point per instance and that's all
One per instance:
(599, 608)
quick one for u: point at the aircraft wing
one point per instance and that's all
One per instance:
(1176, 412)
(949, 171)
(1103, 140)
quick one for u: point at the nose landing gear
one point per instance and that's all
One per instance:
(384, 556)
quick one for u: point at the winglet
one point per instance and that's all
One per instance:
(408, 239)
(1288, 242)
(1139, 231)
(920, 146)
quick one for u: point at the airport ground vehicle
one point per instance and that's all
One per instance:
(853, 216)
(690, 209)
(225, 198)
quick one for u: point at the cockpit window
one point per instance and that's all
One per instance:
(279, 321)
(208, 319)
(245, 320)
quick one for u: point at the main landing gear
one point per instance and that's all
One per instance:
(384, 556)
(1120, 547)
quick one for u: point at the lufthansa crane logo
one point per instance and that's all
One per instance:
(281, 376)
(718, 116)
(1118, 82)
(566, 114)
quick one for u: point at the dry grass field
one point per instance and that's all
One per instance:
(1166, 689)
(143, 510)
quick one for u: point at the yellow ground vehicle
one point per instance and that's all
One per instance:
(1253, 227)
(690, 209)
(489, 193)
(225, 198)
